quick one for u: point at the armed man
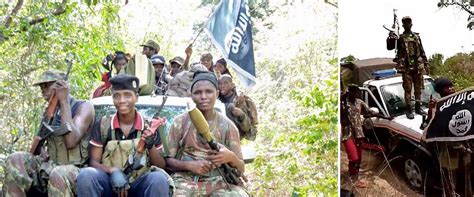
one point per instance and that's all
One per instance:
(197, 167)
(239, 108)
(454, 156)
(158, 62)
(411, 62)
(65, 134)
(124, 155)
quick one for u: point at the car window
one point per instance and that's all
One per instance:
(393, 96)
(371, 101)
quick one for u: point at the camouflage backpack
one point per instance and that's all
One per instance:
(245, 102)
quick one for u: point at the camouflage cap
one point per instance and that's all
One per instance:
(406, 19)
(152, 44)
(178, 60)
(49, 76)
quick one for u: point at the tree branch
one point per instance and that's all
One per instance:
(464, 7)
(8, 19)
(60, 10)
(331, 3)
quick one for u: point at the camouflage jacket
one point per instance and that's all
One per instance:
(354, 112)
(410, 51)
(243, 123)
(185, 143)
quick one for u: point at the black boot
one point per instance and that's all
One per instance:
(418, 109)
(409, 112)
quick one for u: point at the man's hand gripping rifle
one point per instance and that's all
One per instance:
(231, 175)
(46, 129)
(137, 159)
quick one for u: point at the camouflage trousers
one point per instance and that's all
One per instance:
(212, 186)
(23, 171)
(412, 80)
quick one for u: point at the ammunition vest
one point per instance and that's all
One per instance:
(412, 45)
(117, 152)
(57, 150)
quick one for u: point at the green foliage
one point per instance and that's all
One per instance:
(31, 49)
(296, 92)
(349, 58)
(458, 68)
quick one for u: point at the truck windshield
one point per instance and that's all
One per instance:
(169, 112)
(393, 96)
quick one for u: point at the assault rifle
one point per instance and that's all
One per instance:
(230, 175)
(137, 160)
(46, 129)
(393, 42)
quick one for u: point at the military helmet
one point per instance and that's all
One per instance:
(49, 76)
(157, 59)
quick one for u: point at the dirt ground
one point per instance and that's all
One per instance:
(380, 179)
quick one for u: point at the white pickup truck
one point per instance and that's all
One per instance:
(148, 106)
(400, 136)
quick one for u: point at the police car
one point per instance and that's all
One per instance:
(148, 106)
(383, 92)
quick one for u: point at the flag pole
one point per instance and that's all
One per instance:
(199, 33)
(203, 25)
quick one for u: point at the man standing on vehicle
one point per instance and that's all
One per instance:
(67, 149)
(114, 139)
(411, 62)
(196, 166)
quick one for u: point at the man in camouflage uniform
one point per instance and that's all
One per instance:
(352, 133)
(67, 149)
(237, 109)
(114, 139)
(190, 157)
(158, 62)
(411, 62)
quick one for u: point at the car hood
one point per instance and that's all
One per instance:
(401, 124)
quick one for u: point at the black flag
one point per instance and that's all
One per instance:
(452, 120)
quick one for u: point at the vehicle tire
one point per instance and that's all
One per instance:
(418, 172)
(415, 172)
